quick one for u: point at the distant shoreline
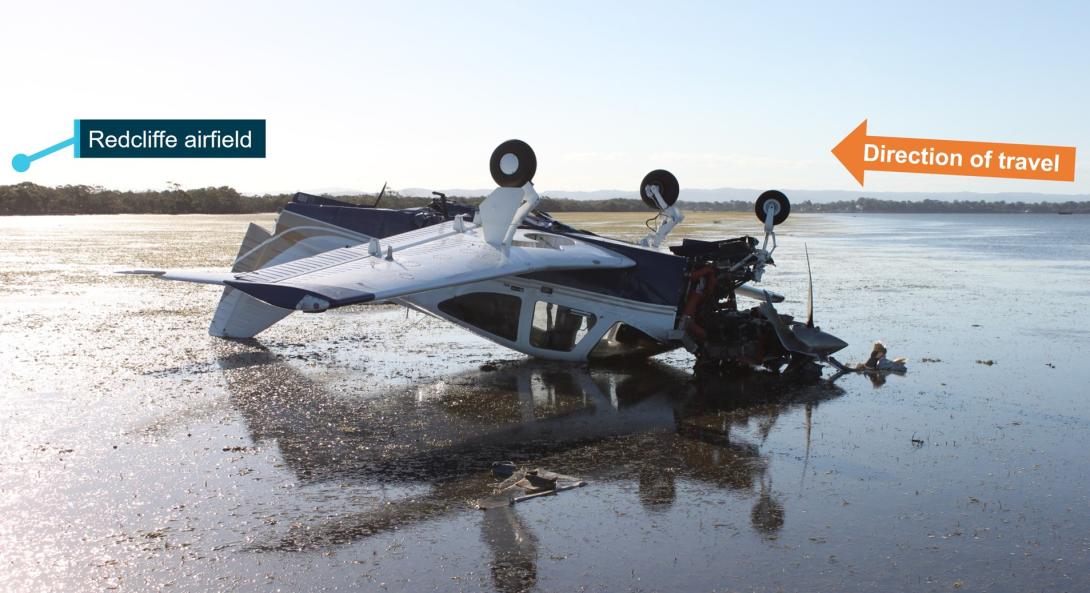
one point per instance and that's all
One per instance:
(27, 199)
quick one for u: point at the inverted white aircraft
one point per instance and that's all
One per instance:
(518, 277)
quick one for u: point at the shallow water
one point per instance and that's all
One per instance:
(343, 449)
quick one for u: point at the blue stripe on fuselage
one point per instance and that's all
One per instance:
(657, 277)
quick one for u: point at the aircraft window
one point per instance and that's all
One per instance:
(557, 327)
(624, 340)
(496, 314)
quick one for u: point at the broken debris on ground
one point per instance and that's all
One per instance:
(522, 484)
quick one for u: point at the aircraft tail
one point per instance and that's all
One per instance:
(238, 314)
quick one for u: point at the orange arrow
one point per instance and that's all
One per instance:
(859, 153)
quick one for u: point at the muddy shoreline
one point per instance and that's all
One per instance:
(343, 449)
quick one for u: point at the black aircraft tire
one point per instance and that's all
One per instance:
(527, 164)
(772, 194)
(668, 187)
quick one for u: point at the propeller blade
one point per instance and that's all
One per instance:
(810, 299)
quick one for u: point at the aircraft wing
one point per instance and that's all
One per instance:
(425, 259)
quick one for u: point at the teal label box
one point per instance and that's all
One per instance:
(170, 138)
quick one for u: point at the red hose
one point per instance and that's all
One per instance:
(694, 300)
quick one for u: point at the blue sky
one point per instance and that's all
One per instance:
(418, 94)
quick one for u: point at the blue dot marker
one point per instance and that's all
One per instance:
(20, 162)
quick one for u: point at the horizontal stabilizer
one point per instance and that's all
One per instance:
(198, 276)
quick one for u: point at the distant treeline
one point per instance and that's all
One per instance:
(29, 198)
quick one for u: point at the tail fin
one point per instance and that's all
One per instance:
(240, 315)
(255, 236)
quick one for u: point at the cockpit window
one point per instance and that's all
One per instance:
(558, 327)
(497, 314)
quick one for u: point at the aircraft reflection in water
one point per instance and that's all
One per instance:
(648, 423)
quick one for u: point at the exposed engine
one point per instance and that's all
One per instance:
(716, 331)
(721, 335)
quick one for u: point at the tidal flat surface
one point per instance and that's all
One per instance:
(342, 450)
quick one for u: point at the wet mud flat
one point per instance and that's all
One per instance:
(346, 449)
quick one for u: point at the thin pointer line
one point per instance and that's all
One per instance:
(52, 149)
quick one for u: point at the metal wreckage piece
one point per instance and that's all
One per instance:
(520, 485)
